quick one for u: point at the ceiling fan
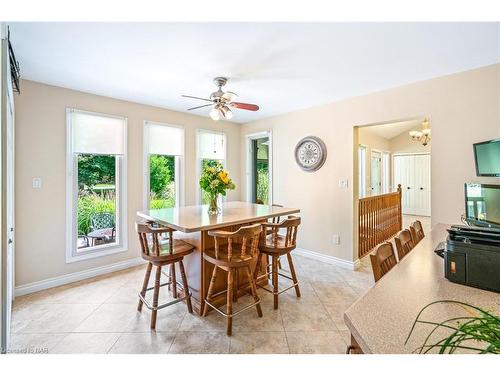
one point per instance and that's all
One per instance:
(222, 102)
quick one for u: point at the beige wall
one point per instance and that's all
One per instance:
(40, 152)
(463, 108)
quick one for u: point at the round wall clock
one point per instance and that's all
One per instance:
(310, 154)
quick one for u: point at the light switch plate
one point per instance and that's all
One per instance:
(343, 183)
(37, 183)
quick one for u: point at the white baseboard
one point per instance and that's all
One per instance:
(73, 277)
(329, 259)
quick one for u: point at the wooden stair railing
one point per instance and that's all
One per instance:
(379, 219)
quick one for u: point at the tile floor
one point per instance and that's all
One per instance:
(100, 315)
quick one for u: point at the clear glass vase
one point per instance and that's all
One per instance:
(213, 208)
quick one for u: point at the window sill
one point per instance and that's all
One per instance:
(72, 258)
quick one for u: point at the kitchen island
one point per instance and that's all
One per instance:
(192, 224)
(381, 319)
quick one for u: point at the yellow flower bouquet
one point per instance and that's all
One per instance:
(215, 181)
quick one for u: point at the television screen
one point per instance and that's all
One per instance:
(487, 156)
(482, 204)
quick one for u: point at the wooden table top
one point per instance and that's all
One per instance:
(382, 318)
(195, 218)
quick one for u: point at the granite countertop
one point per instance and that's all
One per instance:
(382, 318)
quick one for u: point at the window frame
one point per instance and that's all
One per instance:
(179, 164)
(199, 160)
(121, 244)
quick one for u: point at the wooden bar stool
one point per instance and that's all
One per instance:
(275, 220)
(404, 243)
(275, 245)
(382, 259)
(160, 252)
(417, 232)
(233, 251)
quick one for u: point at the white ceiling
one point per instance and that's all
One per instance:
(393, 129)
(279, 66)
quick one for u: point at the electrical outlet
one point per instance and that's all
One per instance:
(336, 239)
(37, 183)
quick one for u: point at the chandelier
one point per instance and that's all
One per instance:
(424, 135)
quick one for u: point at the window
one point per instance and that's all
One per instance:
(163, 161)
(211, 145)
(362, 170)
(96, 194)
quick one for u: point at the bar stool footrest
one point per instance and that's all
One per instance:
(170, 303)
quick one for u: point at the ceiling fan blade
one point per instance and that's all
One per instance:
(200, 106)
(195, 97)
(247, 106)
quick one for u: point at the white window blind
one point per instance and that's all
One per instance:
(165, 140)
(211, 145)
(97, 134)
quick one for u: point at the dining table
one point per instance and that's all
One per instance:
(192, 224)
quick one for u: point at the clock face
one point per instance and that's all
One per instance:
(310, 154)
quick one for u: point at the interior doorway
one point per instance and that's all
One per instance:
(259, 168)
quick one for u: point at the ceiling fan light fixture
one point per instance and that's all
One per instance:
(226, 112)
(215, 114)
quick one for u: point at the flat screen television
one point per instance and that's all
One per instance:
(482, 205)
(487, 157)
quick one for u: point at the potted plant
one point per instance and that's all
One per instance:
(215, 181)
(477, 331)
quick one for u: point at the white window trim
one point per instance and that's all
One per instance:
(71, 203)
(249, 162)
(179, 165)
(198, 159)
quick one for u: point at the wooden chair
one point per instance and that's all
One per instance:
(404, 243)
(233, 251)
(275, 245)
(275, 220)
(417, 232)
(161, 252)
(382, 259)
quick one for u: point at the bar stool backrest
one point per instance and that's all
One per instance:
(149, 238)
(276, 219)
(382, 259)
(404, 243)
(417, 232)
(247, 236)
(287, 240)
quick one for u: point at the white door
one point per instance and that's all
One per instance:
(422, 183)
(413, 172)
(376, 173)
